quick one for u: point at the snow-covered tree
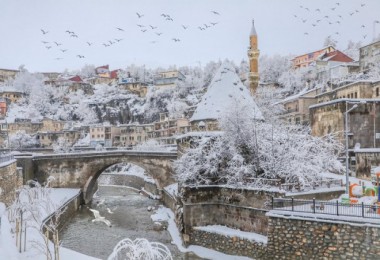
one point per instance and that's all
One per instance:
(62, 145)
(272, 67)
(22, 140)
(27, 82)
(330, 41)
(353, 49)
(250, 149)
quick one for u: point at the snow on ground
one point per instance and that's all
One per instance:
(165, 214)
(132, 170)
(8, 248)
(230, 232)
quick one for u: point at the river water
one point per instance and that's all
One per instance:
(130, 219)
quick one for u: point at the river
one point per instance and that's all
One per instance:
(130, 219)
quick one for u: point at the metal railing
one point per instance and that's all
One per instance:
(327, 207)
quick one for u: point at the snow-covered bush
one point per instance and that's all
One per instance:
(22, 140)
(62, 145)
(140, 248)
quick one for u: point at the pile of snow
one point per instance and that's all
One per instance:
(172, 189)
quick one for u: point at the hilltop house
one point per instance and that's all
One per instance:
(168, 79)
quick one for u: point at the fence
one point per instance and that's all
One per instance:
(327, 207)
(6, 158)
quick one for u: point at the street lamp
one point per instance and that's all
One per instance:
(346, 137)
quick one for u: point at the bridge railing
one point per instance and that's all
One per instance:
(6, 158)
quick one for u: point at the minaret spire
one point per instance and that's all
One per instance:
(253, 55)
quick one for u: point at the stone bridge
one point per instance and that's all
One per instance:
(81, 170)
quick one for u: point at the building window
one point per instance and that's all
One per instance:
(377, 92)
(356, 94)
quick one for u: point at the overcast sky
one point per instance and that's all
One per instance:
(96, 22)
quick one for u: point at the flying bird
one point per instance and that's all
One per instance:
(362, 5)
(169, 19)
(164, 15)
(304, 21)
(306, 33)
(307, 9)
(57, 43)
(140, 25)
(176, 39)
(120, 29)
(139, 15)
(58, 58)
(65, 50)
(69, 32)
(153, 27)
(214, 12)
(106, 45)
(184, 27)
(158, 33)
(333, 9)
(364, 36)
(43, 31)
(143, 30)
(207, 26)
(118, 40)
(363, 26)
(80, 56)
(318, 10)
(74, 35)
(45, 42)
(48, 47)
(337, 3)
(213, 24)
(200, 28)
(99, 218)
(153, 41)
(313, 24)
(89, 43)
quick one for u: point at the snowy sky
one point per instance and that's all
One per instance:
(96, 22)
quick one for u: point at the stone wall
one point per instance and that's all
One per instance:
(327, 195)
(364, 161)
(10, 181)
(301, 238)
(242, 209)
(70, 208)
(229, 245)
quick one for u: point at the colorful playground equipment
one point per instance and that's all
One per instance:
(370, 193)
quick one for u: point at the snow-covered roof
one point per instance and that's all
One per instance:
(225, 90)
(296, 96)
(253, 30)
(349, 100)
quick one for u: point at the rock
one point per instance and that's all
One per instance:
(157, 226)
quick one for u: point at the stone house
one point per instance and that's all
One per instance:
(307, 59)
(367, 55)
(48, 138)
(363, 124)
(52, 125)
(103, 135)
(26, 125)
(297, 106)
(133, 134)
(165, 130)
(12, 95)
(138, 88)
(3, 107)
(168, 79)
(7, 74)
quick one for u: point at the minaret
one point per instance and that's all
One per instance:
(253, 55)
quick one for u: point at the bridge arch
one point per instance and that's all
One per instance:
(81, 170)
(91, 184)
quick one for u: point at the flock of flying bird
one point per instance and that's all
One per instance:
(143, 28)
(334, 17)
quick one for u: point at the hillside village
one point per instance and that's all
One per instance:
(248, 158)
(103, 108)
